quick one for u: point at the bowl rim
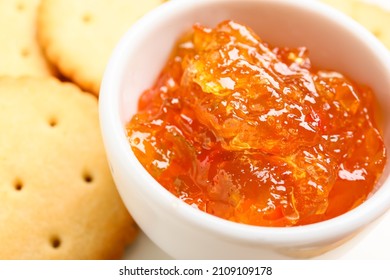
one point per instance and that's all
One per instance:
(117, 145)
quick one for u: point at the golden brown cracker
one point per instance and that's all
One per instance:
(57, 197)
(20, 53)
(79, 36)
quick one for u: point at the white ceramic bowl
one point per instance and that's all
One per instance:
(335, 42)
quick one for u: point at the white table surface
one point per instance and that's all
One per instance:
(372, 243)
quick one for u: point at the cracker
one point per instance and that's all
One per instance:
(375, 19)
(57, 197)
(20, 53)
(346, 6)
(79, 36)
(372, 17)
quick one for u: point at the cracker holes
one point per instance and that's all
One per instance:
(18, 185)
(86, 18)
(25, 53)
(377, 33)
(20, 7)
(55, 242)
(87, 177)
(52, 121)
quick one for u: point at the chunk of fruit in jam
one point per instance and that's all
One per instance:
(254, 134)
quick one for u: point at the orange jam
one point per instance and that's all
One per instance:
(254, 134)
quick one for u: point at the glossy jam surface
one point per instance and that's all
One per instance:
(254, 134)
